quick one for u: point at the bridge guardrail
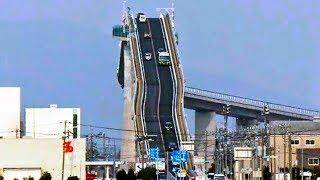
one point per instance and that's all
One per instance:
(252, 102)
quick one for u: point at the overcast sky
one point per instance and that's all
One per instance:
(63, 52)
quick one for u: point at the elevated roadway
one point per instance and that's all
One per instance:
(198, 99)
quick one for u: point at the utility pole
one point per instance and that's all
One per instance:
(284, 150)
(104, 153)
(290, 153)
(63, 149)
(225, 111)
(274, 153)
(114, 159)
(206, 152)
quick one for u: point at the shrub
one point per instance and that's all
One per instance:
(121, 175)
(131, 175)
(148, 173)
(45, 176)
(73, 178)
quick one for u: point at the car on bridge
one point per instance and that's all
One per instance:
(142, 17)
(147, 35)
(164, 59)
(148, 56)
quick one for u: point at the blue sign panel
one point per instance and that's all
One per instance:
(154, 153)
(179, 156)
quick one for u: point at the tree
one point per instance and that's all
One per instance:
(73, 178)
(121, 175)
(45, 176)
(148, 173)
(131, 175)
(266, 173)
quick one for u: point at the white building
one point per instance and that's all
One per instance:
(50, 122)
(9, 112)
(21, 158)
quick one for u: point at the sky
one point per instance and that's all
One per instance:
(63, 52)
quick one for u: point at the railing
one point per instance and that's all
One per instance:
(251, 102)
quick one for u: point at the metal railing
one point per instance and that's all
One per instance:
(251, 102)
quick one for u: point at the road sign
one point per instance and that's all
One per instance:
(68, 148)
(179, 156)
(175, 169)
(154, 153)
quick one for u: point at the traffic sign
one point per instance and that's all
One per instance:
(179, 156)
(154, 153)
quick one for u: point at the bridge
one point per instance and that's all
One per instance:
(155, 94)
(241, 107)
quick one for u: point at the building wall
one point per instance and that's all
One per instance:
(9, 112)
(282, 147)
(49, 122)
(45, 154)
(308, 153)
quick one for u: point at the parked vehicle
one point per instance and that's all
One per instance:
(218, 177)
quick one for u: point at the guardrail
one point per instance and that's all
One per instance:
(251, 102)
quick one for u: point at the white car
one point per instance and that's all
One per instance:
(147, 56)
(142, 18)
(147, 35)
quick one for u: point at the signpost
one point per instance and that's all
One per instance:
(179, 156)
(154, 155)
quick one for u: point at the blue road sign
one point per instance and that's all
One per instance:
(175, 169)
(179, 156)
(154, 153)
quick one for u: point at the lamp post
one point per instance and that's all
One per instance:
(145, 138)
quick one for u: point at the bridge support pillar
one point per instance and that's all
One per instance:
(128, 146)
(245, 123)
(205, 121)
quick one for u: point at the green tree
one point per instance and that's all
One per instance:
(131, 175)
(148, 173)
(121, 175)
(45, 176)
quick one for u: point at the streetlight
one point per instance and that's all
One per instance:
(144, 138)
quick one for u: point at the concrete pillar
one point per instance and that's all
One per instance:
(128, 152)
(205, 121)
(245, 123)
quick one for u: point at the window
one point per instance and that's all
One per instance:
(295, 142)
(309, 142)
(313, 161)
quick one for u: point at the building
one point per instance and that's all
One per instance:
(50, 122)
(243, 166)
(309, 158)
(21, 158)
(10, 112)
(310, 143)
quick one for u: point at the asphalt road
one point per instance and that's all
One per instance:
(152, 88)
